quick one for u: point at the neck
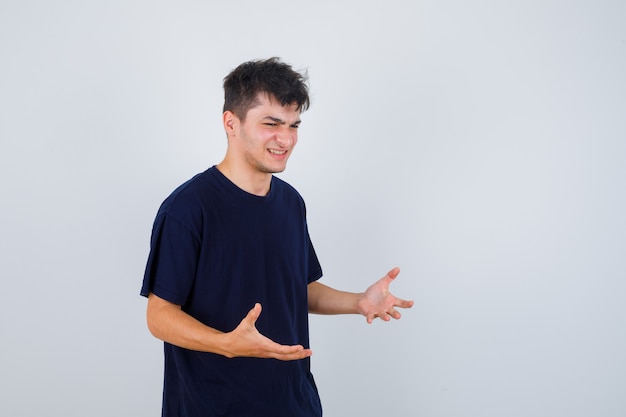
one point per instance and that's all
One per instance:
(257, 183)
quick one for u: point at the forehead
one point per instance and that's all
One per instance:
(268, 105)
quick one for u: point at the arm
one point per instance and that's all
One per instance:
(169, 323)
(376, 301)
(326, 300)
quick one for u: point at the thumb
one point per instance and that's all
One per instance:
(254, 314)
(393, 273)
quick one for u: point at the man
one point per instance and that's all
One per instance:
(232, 273)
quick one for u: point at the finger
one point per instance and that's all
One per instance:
(395, 314)
(275, 350)
(403, 303)
(254, 314)
(383, 316)
(293, 356)
(288, 352)
(393, 273)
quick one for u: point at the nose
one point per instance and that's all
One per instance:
(287, 137)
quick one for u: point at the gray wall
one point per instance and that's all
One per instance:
(478, 145)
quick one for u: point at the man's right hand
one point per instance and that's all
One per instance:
(246, 340)
(169, 323)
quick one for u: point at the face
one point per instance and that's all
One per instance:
(265, 140)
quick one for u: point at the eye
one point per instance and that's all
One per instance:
(271, 124)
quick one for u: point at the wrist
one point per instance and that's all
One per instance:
(359, 306)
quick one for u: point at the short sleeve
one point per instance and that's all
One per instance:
(314, 268)
(173, 259)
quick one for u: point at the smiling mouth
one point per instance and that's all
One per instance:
(275, 152)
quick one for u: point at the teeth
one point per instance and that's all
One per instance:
(275, 152)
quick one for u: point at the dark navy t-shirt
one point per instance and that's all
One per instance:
(216, 250)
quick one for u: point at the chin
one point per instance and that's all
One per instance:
(275, 168)
(272, 170)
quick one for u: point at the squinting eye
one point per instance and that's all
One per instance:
(271, 124)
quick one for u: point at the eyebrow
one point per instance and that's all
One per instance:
(281, 121)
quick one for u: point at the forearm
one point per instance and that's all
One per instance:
(323, 299)
(169, 323)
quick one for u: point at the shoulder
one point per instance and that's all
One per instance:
(190, 198)
(283, 187)
(285, 190)
(287, 195)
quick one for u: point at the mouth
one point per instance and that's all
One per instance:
(277, 152)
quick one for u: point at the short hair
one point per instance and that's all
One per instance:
(270, 76)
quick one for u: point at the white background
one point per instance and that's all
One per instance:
(478, 145)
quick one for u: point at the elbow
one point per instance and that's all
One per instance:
(152, 327)
(313, 307)
(314, 298)
(154, 315)
(151, 322)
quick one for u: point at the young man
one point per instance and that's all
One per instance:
(232, 273)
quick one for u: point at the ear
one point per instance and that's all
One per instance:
(230, 121)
